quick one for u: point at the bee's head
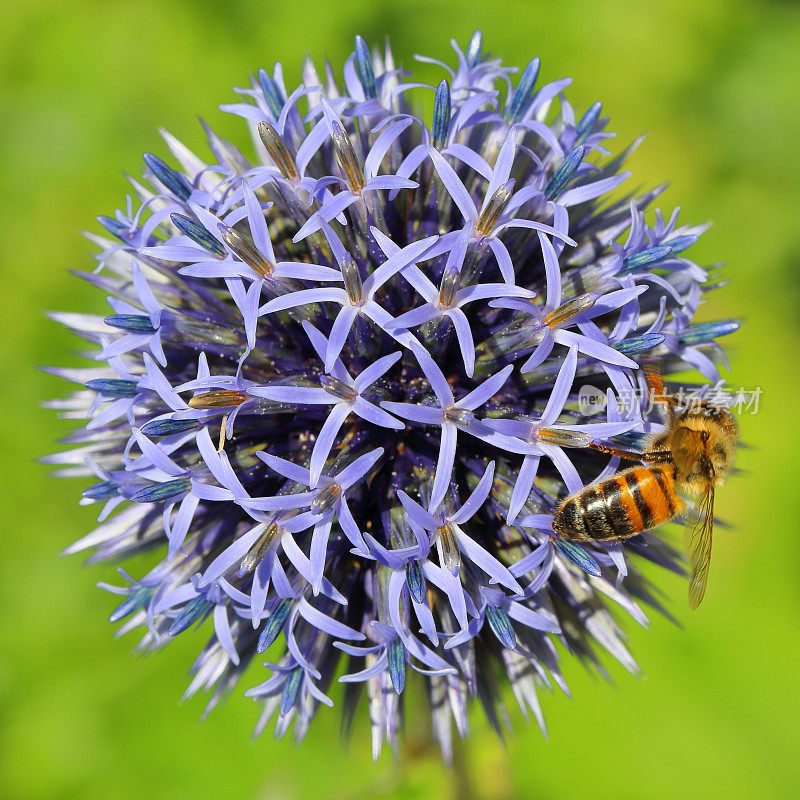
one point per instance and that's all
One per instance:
(703, 446)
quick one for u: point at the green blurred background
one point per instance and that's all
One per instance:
(83, 88)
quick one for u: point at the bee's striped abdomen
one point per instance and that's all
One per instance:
(623, 505)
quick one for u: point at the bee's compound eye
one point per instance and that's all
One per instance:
(705, 436)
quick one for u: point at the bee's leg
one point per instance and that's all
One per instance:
(632, 455)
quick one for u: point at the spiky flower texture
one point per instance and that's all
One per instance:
(338, 389)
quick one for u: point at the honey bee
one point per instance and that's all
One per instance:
(691, 458)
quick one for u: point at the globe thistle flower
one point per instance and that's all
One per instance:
(337, 389)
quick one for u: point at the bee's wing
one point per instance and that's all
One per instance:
(698, 544)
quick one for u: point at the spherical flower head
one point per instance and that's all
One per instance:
(339, 389)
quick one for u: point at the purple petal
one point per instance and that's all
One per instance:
(320, 345)
(503, 259)
(311, 144)
(437, 380)
(176, 533)
(546, 134)
(594, 349)
(159, 384)
(339, 251)
(360, 467)
(425, 617)
(223, 630)
(532, 560)
(125, 344)
(396, 262)
(416, 513)
(568, 472)
(176, 252)
(395, 559)
(383, 183)
(417, 316)
(444, 464)
(536, 226)
(580, 194)
(560, 391)
(208, 221)
(421, 283)
(302, 395)
(502, 166)
(522, 486)
(477, 498)
(427, 656)
(283, 502)
(483, 291)
(218, 464)
(214, 493)
(331, 208)
(470, 158)
(410, 164)
(286, 468)
(427, 415)
(156, 455)
(365, 674)
(465, 342)
(451, 585)
(231, 555)
(458, 252)
(149, 302)
(613, 300)
(319, 549)
(539, 355)
(381, 146)
(455, 188)
(300, 522)
(485, 391)
(350, 528)
(261, 584)
(339, 333)
(376, 370)
(552, 272)
(258, 225)
(322, 447)
(299, 270)
(303, 297)
(488, 563)
(327, 624)
(375, 415)
(531, 618)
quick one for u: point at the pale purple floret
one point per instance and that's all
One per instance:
(344, 394)
(325, 503)
(469, 114)
(450, 415)
(161, 469)
(544, 336)
(498, 178)
(499, 608)
(441, 303)
(359, 301)
(342, 390)
(153, 311)
(440, 524)
(411, 569)
(529, 431)
(351, 193)
(395, 650)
